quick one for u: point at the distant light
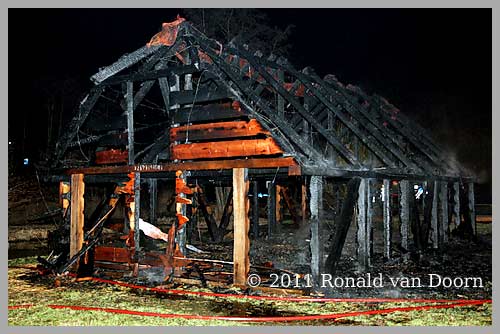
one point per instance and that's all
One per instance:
(10, 143)
(26, 161)
(415, 187)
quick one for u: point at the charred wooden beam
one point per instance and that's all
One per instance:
(444, 224)
(387, 217)
(404, 215)
(456, 204)
(306, 149)
(150, 75)
(137, 215)
(255, 209)
(364, 222)
(130, 121)
(225, 149)
(153, 199)
(208, 131)
(178, 98)
(434, 216)
(241, 248)
(124, 62)
(213, 112)
(471, 206)
(165, 92)
(271, 208)
(342, 224)
(315, 247)
(300, 109)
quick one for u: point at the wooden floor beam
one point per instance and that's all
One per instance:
(77, 216)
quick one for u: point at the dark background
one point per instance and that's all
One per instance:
(433, 64)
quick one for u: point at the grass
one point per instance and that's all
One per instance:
(27, 287)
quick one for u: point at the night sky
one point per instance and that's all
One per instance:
(434, 64)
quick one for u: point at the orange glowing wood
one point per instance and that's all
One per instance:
(225, 149)
(217, 130)
(241, 223)
(111, 156)
(77, 218)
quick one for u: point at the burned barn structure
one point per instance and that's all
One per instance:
(188, 111)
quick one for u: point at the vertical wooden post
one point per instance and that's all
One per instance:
(444, 213)
(77, 216)
(278, 216)
(153, 199)
(369, 221)
(456, 204)
(241, 225)
(364, 225)
(434, 216)
(471, 206)
(255, 209)
(271, 208)
(303, 202)
(386, 198)
(181, 210)
(314, 186)
(130, 121)
(404, 215)
(137, 213)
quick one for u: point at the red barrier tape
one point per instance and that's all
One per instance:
(261, 319)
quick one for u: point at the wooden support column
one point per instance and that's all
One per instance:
(404, 215)
(137, 214)
(386, 198)
(271, 208)
(434, 216)
(153, 199)
(241, 225)
(444, 224)
(255, 209)
(303, 202)
(364, 221)
(279, 208)
(77, 216)
(314, 185)
(181, 210)
(471, 206)
(456, 204)
(130, 121)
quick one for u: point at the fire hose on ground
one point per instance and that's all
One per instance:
(438, 304)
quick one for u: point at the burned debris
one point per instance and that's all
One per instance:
(185, 112)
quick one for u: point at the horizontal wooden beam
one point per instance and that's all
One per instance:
(225, 149)
(193, 165)
(150, 75)
(203, 95)
(111, 156)
(218, 130)
(207, 113)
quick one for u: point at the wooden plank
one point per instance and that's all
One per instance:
(303, 200)
(208, 131)
(194, 165)
(241, 225)
(111, 254)
(404, 215)
(387, 217)
(77, 216)
(279, 208)
(130, 121)
(225, 149)
(178, 98)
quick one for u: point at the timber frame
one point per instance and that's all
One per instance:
(229, 113)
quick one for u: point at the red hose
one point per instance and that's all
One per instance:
(262, 319)
(270, 298)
